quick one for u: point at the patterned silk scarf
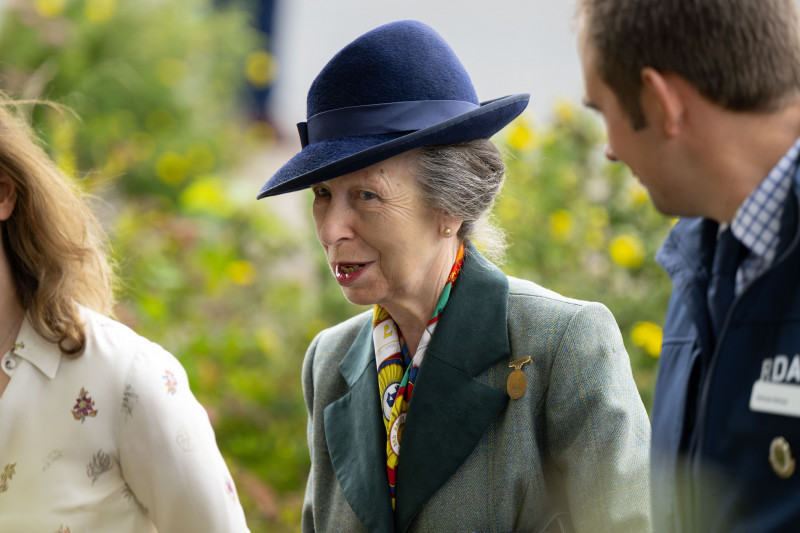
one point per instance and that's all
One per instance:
(397, 372)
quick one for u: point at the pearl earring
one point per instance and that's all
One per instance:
(447, 232)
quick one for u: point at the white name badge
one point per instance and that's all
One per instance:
(775, 398)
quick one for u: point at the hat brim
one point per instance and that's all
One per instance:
(332, 158)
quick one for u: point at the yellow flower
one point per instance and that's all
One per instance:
(649, 336)
(260, 68)
(50, 8)
(637, 194)
(627, 251)
(521, 136)
(171, 168)
(206, 195)
(564, 110)
(100, 10)
(241, 272)
(561, 225)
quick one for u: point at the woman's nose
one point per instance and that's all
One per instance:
(334, 222)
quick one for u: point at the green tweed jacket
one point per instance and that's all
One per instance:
(572, 452)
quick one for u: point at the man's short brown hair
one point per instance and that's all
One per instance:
(741, 54)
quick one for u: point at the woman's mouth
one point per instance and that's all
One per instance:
(347, 273)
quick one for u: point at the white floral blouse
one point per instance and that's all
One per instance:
(112, 441)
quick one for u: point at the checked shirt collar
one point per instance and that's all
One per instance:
(757, 222)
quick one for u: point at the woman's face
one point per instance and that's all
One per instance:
(383, 244)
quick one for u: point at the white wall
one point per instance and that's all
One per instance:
(507, 46)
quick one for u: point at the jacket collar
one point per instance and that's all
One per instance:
(688, 251)
(686, 255)
(689, 248)
(449, 413)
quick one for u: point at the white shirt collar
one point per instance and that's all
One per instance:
(44, 355)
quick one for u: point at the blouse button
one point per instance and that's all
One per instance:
(9, 364)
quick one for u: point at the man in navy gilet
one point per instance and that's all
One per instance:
(701, 99)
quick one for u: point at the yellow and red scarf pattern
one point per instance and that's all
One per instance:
(397, 371)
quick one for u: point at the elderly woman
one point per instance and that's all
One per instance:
(465, 400)
(99, 431)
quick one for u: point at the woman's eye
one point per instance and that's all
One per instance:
(366, 195)
(320, 192)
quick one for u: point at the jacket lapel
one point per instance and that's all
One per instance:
(356, 438)
(686, 256)
(450, 409)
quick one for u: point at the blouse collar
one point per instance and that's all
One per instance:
(44, 355)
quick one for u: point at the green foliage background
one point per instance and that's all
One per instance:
(151, 126)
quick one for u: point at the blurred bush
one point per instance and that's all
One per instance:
(154, 83)
(148, 118)
(584, 227)
(152, 124)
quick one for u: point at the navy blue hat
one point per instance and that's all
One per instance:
(395, 88)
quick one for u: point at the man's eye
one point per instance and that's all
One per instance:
(366, 195)
(321, 192)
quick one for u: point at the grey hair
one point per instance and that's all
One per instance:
(462, 180)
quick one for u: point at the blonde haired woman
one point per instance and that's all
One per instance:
(98, 428)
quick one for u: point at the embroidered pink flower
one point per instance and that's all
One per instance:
(170, 382)
(84, 406)
(63, 529)
(230, 490)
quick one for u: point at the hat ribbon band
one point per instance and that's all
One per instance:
(375, 119)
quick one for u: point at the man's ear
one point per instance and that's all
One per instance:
(8, 197)
(663, 101)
